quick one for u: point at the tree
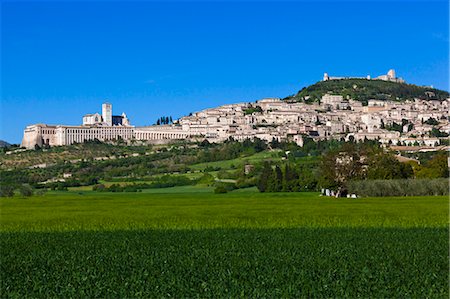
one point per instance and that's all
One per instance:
(158, 122)
(341, 165)
(437, 167)
(410, 127)
(26, 190)
(437, 133)
(6, 190)
(274, 143)
(41, 192)
(290, 179)
(432, 121)
(264, 177)
(386, 167)
(306, 179)
(276, 180)
(259, 145)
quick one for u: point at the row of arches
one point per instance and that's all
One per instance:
(160, 135)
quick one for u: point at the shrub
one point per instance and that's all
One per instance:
(402, 187)
(41, 192)
(99, 187)
(26, 190)
(206, 179)
(221, 186)
(61, 187)
(6, 191)
(220, 189)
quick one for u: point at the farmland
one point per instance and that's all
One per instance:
(62, 211)
(189, 242)
(298, 262)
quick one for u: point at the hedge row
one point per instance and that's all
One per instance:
(402, 187)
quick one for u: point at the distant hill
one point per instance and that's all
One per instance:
(363, 90)
(4, 144)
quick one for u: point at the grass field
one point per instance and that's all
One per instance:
(60, 211)
(181, 242)
(228, 164)
(275, 263)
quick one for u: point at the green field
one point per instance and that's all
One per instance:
(229, 164)
(61, 211)
(190, 242)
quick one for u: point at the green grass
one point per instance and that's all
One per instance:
(180, 189)
(227, 164)
(62, 211)
(218, 263)
(189, 242)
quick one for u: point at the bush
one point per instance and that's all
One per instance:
(6, 191)
(61, 187)
(171, 181)
(246, 183)
(206, 179)
(41, 192)
(26, 190)
(405, 187)
(220, 189)
(99, 187)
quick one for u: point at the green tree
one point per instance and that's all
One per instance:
(436, 167)
(437, 133)
(264, 177)
(26, 190)
(276, 182)
(386, 166)
(290, 179)
(341, 165)
(6, 190)
(432, 121)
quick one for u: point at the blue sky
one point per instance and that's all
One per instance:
(61, 60)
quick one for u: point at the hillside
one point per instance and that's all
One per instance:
(363, 90)
(4, 144)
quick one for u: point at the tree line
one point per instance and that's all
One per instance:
(286, 178)
(164, 120)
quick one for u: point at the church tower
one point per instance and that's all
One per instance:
(107, 113)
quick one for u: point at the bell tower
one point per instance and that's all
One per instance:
(107, 113)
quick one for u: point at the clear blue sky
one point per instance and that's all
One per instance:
(60, 61)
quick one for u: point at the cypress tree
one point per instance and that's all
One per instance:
(277, 180)
(264, 178)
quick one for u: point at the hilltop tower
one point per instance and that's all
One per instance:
(391, 74)
(107, 113)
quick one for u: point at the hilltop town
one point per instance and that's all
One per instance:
(413, 121)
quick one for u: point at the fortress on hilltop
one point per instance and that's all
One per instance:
(390, 76)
